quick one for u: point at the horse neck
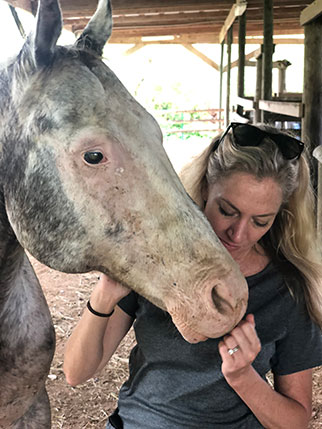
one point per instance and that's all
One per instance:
(11, 252)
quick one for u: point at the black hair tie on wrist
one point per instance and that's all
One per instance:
(96, 313)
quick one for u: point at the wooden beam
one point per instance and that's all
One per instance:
(222, 48)
(311, 12)
(245, 102)
(317, 153)
(229, 43)
(252, 54)
(202, 56)
(210, 38)
(241, 55)
(312, 91)
(237, 10)
(276, 64)
(258, 89)
(134, 49)
(282, 107)
(268, 49)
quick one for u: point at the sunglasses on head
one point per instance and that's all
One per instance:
(250, 135)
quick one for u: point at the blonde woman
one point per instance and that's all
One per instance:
(253, 185)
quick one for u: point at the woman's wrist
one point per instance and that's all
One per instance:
(101, 301)
(97, 313)
(244, 380)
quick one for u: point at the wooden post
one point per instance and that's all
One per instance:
(241, 60)
(312, 94)
(220, 86)
(258, 91)
(317, 154)
(281, 81)
(268, 47)
(229, 43)
(319, 202)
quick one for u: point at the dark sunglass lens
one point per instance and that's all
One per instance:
(289, 146)
(247, 135)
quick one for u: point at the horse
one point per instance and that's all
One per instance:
(85, 185)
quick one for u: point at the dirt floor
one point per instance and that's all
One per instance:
(89, 405)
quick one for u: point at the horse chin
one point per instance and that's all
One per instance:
(187, 332)
(192, 337)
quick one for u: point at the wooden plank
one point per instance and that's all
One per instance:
(317, 153)
(311, 12)
(282, 107)
(252, 54)
(222, 48)
(237, 10)
(319, 204)
(191, 38)
(134, 48)
(241, 55)
(23, 4)
(229, 43)
(201, 33)
(197, 17)
(191, 18)
(268, 49)
(312, 91)
(258, 89)
(211, 111)
(245, 102)
(202, 56)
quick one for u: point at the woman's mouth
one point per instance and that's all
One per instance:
(229, 246)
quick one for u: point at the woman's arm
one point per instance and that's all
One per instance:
(95, 339)
(288, 406)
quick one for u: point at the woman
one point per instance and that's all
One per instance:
(253, 184)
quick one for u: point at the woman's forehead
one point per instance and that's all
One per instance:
(248, 193)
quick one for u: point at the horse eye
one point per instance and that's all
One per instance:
(93, 157)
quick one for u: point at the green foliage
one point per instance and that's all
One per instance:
(172, 121)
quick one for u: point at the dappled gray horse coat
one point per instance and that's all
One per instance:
(86, 185)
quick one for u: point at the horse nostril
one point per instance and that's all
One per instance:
(221, 304)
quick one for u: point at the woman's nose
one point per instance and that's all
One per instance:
(238, 231)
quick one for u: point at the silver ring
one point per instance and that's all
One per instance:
(232, 351)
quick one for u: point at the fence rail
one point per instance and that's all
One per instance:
(190, 121)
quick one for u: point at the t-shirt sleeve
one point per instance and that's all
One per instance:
(129, 304)
(301, 347)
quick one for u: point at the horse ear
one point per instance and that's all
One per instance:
(98, 30)
(49, 27)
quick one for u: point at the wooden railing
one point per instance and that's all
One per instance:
(190, 121)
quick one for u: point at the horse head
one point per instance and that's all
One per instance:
(87, 184)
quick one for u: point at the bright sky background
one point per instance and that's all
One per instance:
(159, 73)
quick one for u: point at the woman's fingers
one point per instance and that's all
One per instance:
(239, 349)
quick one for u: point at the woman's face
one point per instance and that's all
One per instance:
(241, 209)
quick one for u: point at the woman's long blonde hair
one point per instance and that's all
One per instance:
(292, 237)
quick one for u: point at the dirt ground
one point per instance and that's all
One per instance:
(89, 405)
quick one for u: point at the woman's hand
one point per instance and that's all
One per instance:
(114, 289)
(238, 351)
(107, 293)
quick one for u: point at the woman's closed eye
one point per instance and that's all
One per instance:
(225, 212)
(261, 224)
(229, 213)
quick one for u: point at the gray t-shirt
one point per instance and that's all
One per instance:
(177, 385)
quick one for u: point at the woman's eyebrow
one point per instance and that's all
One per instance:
(230, 204)
(235, 208)
(266, 215)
